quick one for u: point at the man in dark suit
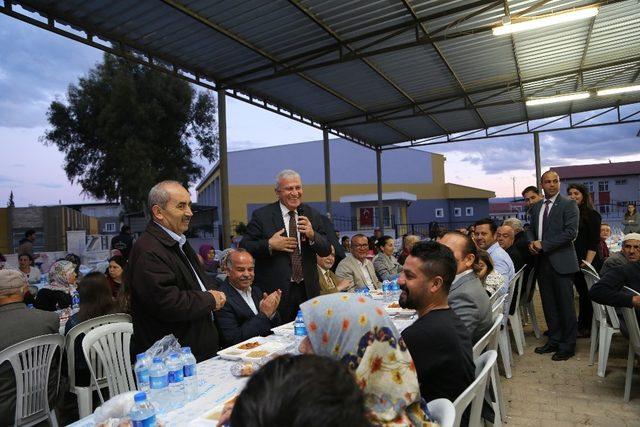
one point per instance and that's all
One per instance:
(170, 291)
(284, 238)
(554, 227)
(248, 312)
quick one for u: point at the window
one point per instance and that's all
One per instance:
(439, 213)
(621, 181)
(605, 209)
(603, 185)
(457, 211)
(589, 186)
(468, 211)
(110, 227)
(368, 217)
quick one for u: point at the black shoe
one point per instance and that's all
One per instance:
(547, 348)
(562, 355)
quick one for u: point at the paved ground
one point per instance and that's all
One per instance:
(547, 393)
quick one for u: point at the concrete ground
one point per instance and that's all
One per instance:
(570, 393)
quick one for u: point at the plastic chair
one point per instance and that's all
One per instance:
(589, 267)
(111, 344)
(514, 319)
(490, 342)
(474, 394)
(85, 394)
(443, 412)
(602, 329)
(526, 304)
(629, 315)
(31, 362)
(503, 337)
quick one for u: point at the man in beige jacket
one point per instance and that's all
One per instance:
(357, 269)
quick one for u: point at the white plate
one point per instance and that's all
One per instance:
(399, 311)
(286, 329)
(236, 353)
(209, 418)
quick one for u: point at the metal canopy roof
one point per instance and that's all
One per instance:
(377, 72)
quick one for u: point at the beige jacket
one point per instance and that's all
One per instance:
(349, 268)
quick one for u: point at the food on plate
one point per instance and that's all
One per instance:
(243, 369)
(258, 353)
(214, 415)
(394, 305)
(248, 345)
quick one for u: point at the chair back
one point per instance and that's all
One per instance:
(590, 268)
(630, 318)
(517, 286)
(599, 310)
(31, 362)
(111, 344)
(474, 394)
(83, 328)
(497, 307)
(490, 340)
(494, 297)
(443, 412)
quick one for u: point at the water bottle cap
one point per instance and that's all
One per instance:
(174, 355)
(157, 360)
(186, 350)
(140, 397)
(141, 356)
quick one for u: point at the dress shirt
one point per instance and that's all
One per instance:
(246, 296)
(541, 216)
(502, 261)
(181, 239)
(464, 273)
(365, 274)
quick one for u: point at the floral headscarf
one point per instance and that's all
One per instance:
(60, 276)
(358, 332)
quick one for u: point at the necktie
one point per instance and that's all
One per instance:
(545, 215)
(329, 281)
(296, 260)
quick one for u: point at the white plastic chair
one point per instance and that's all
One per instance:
(503, 336)
(443, 412)
(629, 315)
(85, 394)
(602, 329)
(111, 344)
(514, 319)
(490, 342)
(474, 394)
(31, 362)
(526, 304)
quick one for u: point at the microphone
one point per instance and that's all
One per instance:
(300, 211)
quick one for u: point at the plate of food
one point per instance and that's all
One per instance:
(253, 349)
(376, 294)
(395, 309)
(283, 330)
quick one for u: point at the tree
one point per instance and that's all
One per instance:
(11, 203)
(126, 127)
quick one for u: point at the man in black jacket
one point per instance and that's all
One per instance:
(170, 292)
(608, 290)
(248, 312)
(284, 238)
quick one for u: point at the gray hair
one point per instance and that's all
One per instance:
(514, 223)
(287, 173)
(227, 261)
(158, 195)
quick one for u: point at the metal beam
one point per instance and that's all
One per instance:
(379, 185)
(536, 153)
(579, 76)
(327, 173)
(224, 168)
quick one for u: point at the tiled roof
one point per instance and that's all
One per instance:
(597, 170)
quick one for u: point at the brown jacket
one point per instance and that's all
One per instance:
(325, 286)
(166, 297)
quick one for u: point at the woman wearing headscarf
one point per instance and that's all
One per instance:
(358, 332)
(206, 256)
(56, 294)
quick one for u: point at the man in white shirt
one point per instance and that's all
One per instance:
(357, 270)
(484, 232)
(248, 312)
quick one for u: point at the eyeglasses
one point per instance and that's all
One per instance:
(362, 245)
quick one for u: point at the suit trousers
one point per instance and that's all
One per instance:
(291, 300)
(556, 292)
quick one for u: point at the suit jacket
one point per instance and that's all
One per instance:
(470, 302)
(325, 286)
(386, 266)
(561, 230)
(349, 269)
(273, 270)
(166, 297)
(236, 320)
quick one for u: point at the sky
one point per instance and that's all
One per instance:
(36, 67)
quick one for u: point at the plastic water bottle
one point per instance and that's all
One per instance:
(141, 369)
(176, 380)
(395, 291)
(143, 413)
(75, 299)
(299, 330)
(159, 384)
(386, 291)
(190, 374)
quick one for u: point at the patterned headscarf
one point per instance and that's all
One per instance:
(357, 331)
(204, 253)
(60, 275)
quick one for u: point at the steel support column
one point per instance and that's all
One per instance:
(379, 176)
(536, 150)
(327, 172)
(224, 168)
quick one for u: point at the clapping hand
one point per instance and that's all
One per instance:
(269, 303)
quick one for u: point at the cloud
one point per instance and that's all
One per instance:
(49, 184)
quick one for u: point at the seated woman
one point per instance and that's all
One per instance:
(26, 266)
(300, 391)
(56, 294)
(95, 301)
(356, 331)
(385, 264)
(206, 256)
(491, 280)
(114, 273)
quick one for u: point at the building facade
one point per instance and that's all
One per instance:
(107, 214)
(414, 188)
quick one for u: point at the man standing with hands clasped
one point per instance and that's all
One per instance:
(284, 238)
(554, 223)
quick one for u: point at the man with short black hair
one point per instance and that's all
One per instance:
(467, 296)
(484, 232)
(531, 196)
(25, 246)
(439, 343)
